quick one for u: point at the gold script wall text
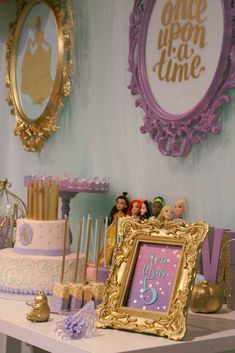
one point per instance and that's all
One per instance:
(182, 32)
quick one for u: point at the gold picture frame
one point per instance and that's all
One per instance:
(153, 273)
(39, 67)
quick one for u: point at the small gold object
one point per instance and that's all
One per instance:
(40, 309)
(206, 298)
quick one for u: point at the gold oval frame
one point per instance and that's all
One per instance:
(33, 133)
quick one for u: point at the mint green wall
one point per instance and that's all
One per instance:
(99, 130)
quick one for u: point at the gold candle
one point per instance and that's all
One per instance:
(40, 200)
(78, 249)
(46, 201)
(30, 201)
(35, 199)
(56, 201)
(53, 201)
(87, 249)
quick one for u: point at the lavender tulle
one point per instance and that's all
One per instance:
(79, 325)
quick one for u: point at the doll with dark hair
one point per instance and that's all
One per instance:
(118, 210)
(145, 212)
(134, 208)
(157, 205)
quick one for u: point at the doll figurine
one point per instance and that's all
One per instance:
(134, 208)
(118, 210)
(167, 214)
(145, 210)
(180, 209)
(157, 205)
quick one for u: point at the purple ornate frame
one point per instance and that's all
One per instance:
(176, 137)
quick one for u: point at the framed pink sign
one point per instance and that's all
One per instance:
(152, 277)
(181, 59)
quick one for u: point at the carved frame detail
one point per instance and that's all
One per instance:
(33, 132)
(176, 137)
(113, 312)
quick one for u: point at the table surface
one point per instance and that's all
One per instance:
(210, 333)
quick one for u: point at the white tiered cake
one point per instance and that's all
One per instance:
(35, 262)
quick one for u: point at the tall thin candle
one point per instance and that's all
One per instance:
(96, 240)
(46, 200)
(30, 201)
(56, 201)
(83, 236)
(40, 200)
(11, 227)
(87, 247)
(86, 233)
(53, 201)
(78, 249)
(105, 239)
(116, 235)
(64, 250)
(35, 199)
(98, 248)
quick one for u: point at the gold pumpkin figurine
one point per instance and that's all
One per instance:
(206, 298)
(40, 309)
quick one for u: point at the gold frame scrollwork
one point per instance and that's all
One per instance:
(115, 313)
(33, 132)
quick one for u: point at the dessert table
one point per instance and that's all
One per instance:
(206, 333)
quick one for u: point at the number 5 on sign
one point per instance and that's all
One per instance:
(153, 291)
